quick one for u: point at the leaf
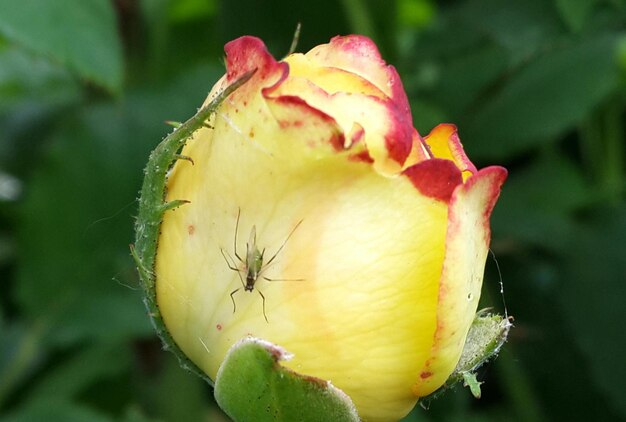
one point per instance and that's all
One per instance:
(76, 220)
(81, 370)
(80, 34)
(592, 300)
(55, 411)
(465, 76)
(538, 201)
(522, 27)
(177, 396)
(26, 79)
(318, 20)
(546, 98)
(19, 356)
(134, 414)
(184, 10)
(75, 227)
(426, 116)
(251, 385)
(575, 12)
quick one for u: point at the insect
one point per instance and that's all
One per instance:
(252, 267)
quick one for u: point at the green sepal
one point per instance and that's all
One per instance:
(152, 206)
(470, 380)
(173, 204)
(173, 123)
(251, 385)
(484, 340)
(186, 158)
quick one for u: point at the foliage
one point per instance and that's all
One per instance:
(85, 87)
(252, 384)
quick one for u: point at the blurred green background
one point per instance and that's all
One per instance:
(85, 88)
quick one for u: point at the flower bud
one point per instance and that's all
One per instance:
(319, 220)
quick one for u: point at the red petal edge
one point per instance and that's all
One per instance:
(498, 175)
(436, 178)
(249, 53)
(361, 52)
(362, 47)
(493, 177)
(297, 103)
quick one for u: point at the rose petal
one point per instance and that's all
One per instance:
(387, 136)
(444, 142)
(248, 53)
(467, 244)
(358, 54)
(331, 79)
(299, 122)
(435, 178)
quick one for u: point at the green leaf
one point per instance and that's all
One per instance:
(426, 116)
(135, 414)
(25, 78)
(80, 34)
(592, 300)
(546, 98)
(19, 355)
(81, 370)
(415, 13)
(75, 222)
(522, 27)
(251, 385)
(74, 229)
(575, 12)
(465, 76)
(184, 10)
(177, 396)
(538, 201)
(55, 411)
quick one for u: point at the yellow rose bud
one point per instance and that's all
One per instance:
(371, 240)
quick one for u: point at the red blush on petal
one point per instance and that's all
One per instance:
(248, 53)
(295, 107)
(362, 156)
(399, 139)
(435, 178)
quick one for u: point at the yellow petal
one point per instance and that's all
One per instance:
(443, 142)
(467, 244)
